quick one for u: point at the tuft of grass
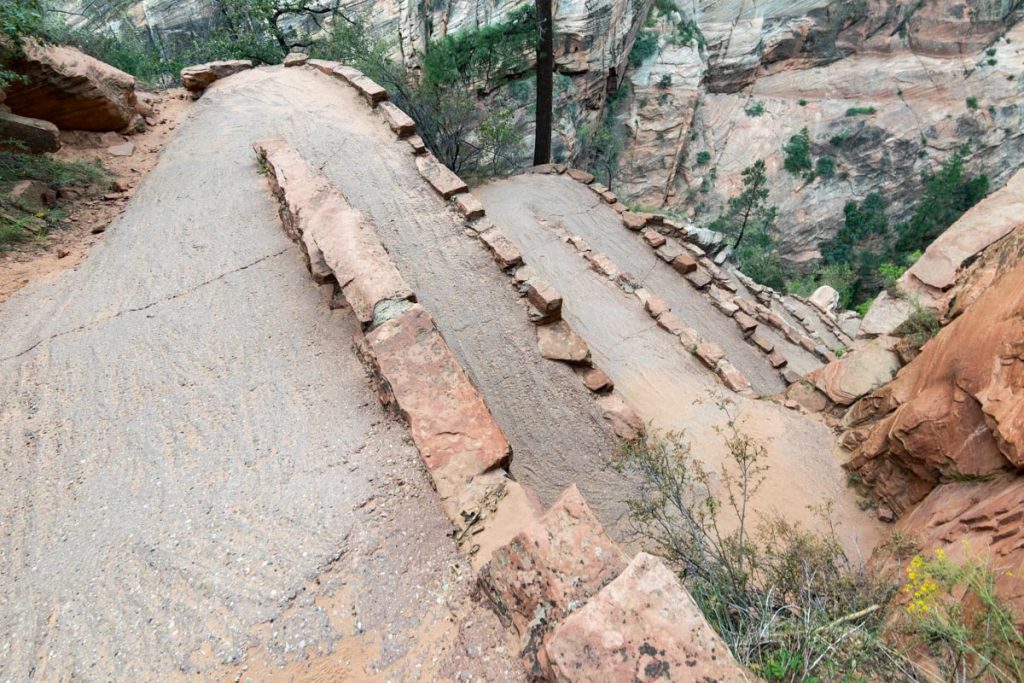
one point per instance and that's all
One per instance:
(16, 166)
(920, 326)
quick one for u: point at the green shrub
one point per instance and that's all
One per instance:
(754, 109)
(860, 111)
(946, 196)
(687, 32)
(921, 325)
(956, 616)
(484, 57)
(18, 19)
(646, 46)
(798, 154)
(972, 102)
(825, 167)
(802, 102)
(665, 81)
(703, 157)
(788, 603)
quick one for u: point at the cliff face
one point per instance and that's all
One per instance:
(886, 90)
(943, 443)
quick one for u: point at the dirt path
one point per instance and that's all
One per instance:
(195, 477)
(666, 385)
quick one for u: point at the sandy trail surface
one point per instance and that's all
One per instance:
(196, 479)
(656, 376)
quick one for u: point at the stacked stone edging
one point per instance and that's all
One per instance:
(658, 309)
(540, 568)
(692, 262)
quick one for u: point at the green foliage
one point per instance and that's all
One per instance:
(486, 57)
(18, 19)
(20, 222)
(825, 167)
(798, 154)
(840, 277)
(947, 195)
(788, 603)
(972, 102)
(599, 149)
(645, 46)
(802, 102)
(687, 32)
(921, 325)
(665, 7)
(860, 111)
(16, 166)
(754, 109)
(749, 210)
(839, 138)
(703, 157)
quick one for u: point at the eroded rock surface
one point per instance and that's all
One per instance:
(957, 410)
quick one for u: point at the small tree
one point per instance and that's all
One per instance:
(749, 210)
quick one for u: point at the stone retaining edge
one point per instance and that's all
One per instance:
(700, 271)
(566, 556)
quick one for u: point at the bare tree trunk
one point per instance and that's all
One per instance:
(545, 82)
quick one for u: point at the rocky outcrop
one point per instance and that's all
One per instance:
(930, 281)
(199, 77)
(957, 411)
(30, 135)
(71, 90)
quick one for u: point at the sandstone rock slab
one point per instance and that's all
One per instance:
(504, 251)
(199, 77)
(449, 422)
(398, 121)
(468, 205)
(296, 59)
(623, 420)
(440, 176)
(641, 626)
(597, 380)
(558, 341)
(550, 568)
(35, 135)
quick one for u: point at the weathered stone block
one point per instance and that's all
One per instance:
(505, 252)
(423, 382)
(642, 626)
(440, 176)
(551, 568)
(398, 121)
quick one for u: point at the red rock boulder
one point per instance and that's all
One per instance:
(72, 90)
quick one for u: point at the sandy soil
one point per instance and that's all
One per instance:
(90, 210)
(666, 385)
(197, 480)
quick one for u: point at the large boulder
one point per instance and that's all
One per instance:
(71, 89)
(34, 135)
